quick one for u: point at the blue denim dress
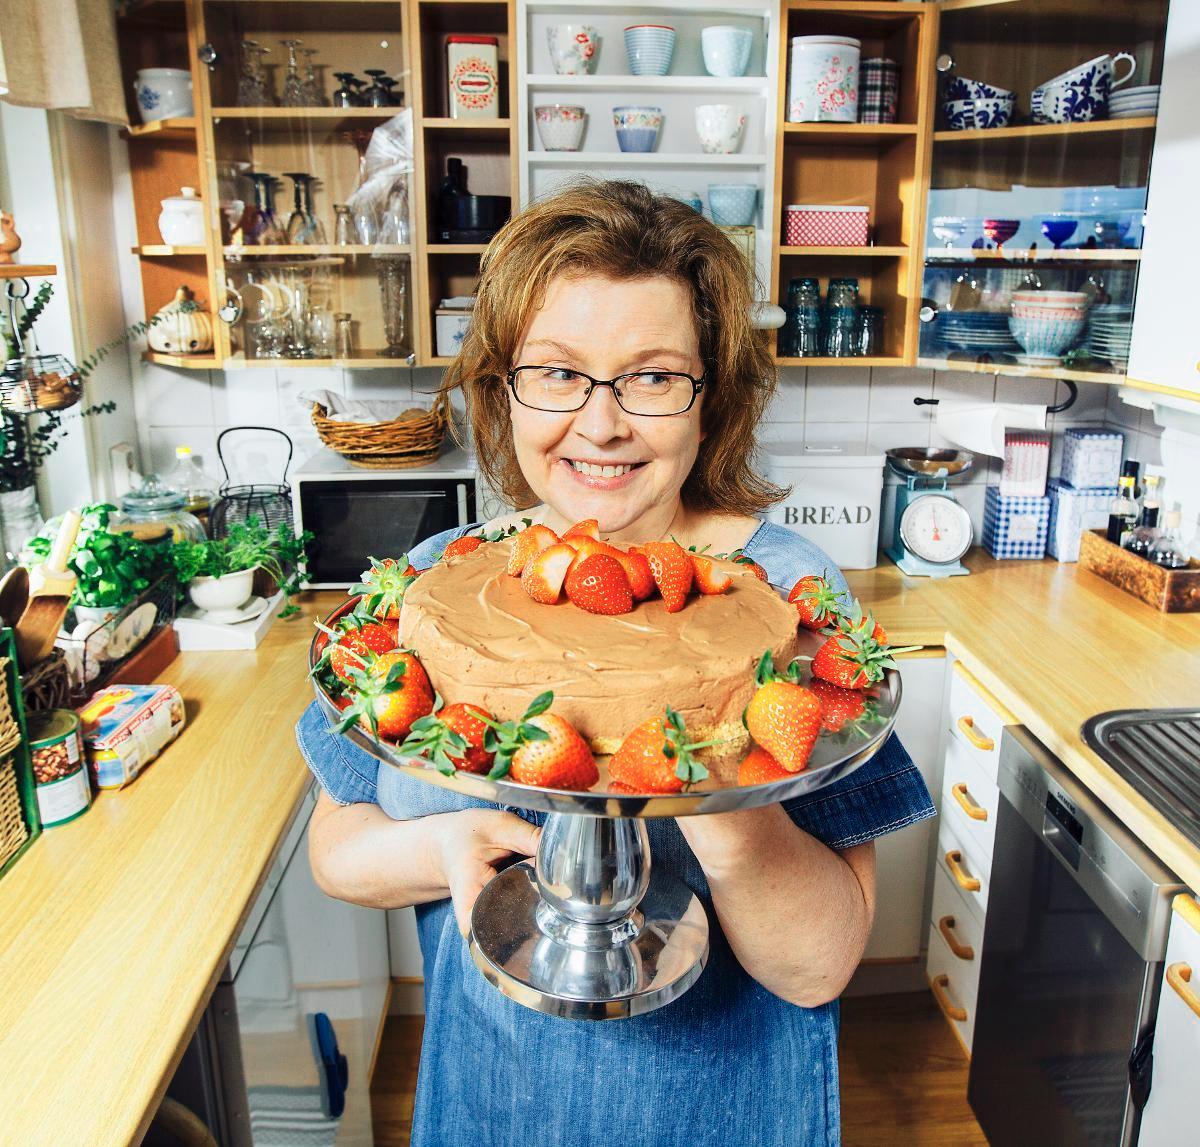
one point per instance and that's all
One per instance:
(726, 1063)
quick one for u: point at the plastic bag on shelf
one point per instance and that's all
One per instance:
(382, 194)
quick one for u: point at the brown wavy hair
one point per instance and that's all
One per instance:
(622, 230)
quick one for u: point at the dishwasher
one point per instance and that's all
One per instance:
(1074, 940)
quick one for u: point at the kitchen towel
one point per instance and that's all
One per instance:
(980, 426)
(342, 409)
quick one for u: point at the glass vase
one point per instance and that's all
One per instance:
(393, 292)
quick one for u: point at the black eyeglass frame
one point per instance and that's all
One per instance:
(698, 385)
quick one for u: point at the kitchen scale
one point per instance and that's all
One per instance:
(932, 528)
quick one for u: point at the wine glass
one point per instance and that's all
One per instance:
(949, 228)
(297, 224)
(293, 86)
(252, 81)
(313, 94)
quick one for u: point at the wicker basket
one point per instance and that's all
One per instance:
(414, 440)
(47, 685)
(18, 814)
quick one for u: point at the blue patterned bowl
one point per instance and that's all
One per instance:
(649, 48)
(732, 204)
(637, 127)
(960, 88)
(1046, 338)
(962, 115)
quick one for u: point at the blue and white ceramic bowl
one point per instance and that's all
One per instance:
(637, 127)
(726, 49)
(1046, 338)
(649, 48)
(961, 88)
(732, 204)
(963, 115)
(163, 93)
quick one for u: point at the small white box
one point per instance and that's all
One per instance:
(450, 327)
(1026, 463)
(1091, 458)
(834, 503)
(1071, 512)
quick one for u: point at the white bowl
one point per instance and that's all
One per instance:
(230, 591)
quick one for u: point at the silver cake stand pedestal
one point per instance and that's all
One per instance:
(589, 929)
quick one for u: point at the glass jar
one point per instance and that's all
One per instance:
(802, 329)
(869, 331)
(155, 512)
(343, 226)
(343, 336)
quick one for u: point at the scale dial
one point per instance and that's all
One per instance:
(936, 529)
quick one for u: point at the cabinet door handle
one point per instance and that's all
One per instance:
(966, 726)
(962, 951)
(966, 882)
(1179, 976)
(939, 984)
(967, 803)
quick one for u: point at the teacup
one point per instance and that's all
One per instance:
(560, 126)
(732, 204)
(649, 48)
(726, 49)
(573, 48)
(962, 115)
(720, 128)
(961, 88)
(637, 127)
(1101, 69)
(1080, 94)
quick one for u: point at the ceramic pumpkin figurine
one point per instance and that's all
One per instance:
(182, 327)
(10, 241)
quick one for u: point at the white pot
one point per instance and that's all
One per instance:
(823, 81)
(163, 93)
(217, 594)
(181, 222)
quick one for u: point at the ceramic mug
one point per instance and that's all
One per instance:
(726, 49)
(637, 127)
(560, 126)
(823, 81)
(163, 93)
(1080, 94)
(573, 48)
(732, 204)
(649, 48)
(720, 128)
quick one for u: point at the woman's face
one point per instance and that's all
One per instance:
(605, 328)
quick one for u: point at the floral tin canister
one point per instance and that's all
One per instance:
(823, 82)
(472, 68)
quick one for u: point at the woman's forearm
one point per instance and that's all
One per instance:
(797, 915)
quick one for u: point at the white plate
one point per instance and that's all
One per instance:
(248, 612)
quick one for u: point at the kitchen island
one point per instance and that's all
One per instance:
(116, 926)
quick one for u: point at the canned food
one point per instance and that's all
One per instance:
(59, 774)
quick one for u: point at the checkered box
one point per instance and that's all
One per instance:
(1015, 527)
(825, 225)
(1091, 458)
(1071, 512)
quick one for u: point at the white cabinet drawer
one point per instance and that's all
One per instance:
(963, 869)
(959, 927)
(951, 987)
(977, 719)
(970, 799)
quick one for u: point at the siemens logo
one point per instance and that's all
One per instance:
(826, 515)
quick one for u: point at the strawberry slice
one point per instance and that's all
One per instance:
(671, 568)
(585, 547)
(598, 584)
(542, 578)
(526, 544)
(637, 570)
(588, 528)
(753, 566)
(709, 579)
(463, 545)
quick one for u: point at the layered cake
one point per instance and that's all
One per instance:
(482, 639)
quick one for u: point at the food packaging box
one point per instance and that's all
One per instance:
(1026, 463)
(825, 225)
(1071, 513)
(1015, 527)
(1091, 458)
(450, 327)
(835, 498)
(126, 726)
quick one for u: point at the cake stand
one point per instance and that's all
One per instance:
(589, 929)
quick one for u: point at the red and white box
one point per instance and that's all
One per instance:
(1026, 463)
(825, 225)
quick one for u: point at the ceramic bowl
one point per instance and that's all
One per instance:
(962, 115)
(637, 127)
(719, 128)
(961, 88)
(1051, 298)
(163, 93)
(222, 593)
(649, 48)
(726, 49)
(1046, 338)
(573, 48)
(732, 204)
(560, 126)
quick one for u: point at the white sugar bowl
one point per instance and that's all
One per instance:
(163, 93)
(181, 222)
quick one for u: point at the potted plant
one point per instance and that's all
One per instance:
(219, 573)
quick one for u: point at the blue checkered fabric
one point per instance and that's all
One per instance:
(1015, 527)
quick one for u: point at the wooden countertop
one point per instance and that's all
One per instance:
(1056, 645)
(117, 925)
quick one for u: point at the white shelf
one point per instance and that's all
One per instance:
(585, 159)
(625, 8)
(625, 83)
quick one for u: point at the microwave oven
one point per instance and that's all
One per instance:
(356, 514)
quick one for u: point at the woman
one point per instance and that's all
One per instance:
(577, 293)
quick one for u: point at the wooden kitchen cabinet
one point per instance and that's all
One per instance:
(1169, 1119)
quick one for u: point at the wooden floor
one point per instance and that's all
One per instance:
(904, 1077)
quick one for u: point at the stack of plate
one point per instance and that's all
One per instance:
(1110, 329)
(980, 332)
(1129, 103)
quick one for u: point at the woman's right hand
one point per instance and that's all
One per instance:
(470, 844)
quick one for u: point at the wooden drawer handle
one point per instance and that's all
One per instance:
(966, 803)
(1179, 976)
(962, 951)
(939, 984)
(966, 726)
(966, 882)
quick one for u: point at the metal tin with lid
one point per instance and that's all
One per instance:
(473, 74)
(60, 772)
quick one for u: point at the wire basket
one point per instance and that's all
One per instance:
(32, 381)
(269, 502)
(413, 439)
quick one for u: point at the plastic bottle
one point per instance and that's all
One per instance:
(188, 477)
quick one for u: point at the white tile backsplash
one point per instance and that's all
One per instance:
(837, 394)
(892, 392)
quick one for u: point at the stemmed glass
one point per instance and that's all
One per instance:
(298, 224)
(314, 97)
(265, 230)
(366, 223)
(393, 293)
(293, 86)
(393, 228)
(252, 81)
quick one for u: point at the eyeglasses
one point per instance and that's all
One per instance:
(649, 393)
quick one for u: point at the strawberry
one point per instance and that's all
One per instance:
(709, 579)
(464, 545)
(620, 787)
(671, 568)
(816, 604)
(657, 757)
(598, 584)
(392, 625)
(452, 738)
(541, 749)
(389, 696)
(586, 547)
(783, 717)
(588, 528)
(838, 705)
(758, 767)
(358, 645)
(753, 566)
(527, 543)
(637, 571)
(382, 586)
(856, 652)
(542, 577)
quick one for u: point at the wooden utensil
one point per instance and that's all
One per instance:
(14, 595)
(53, 585)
